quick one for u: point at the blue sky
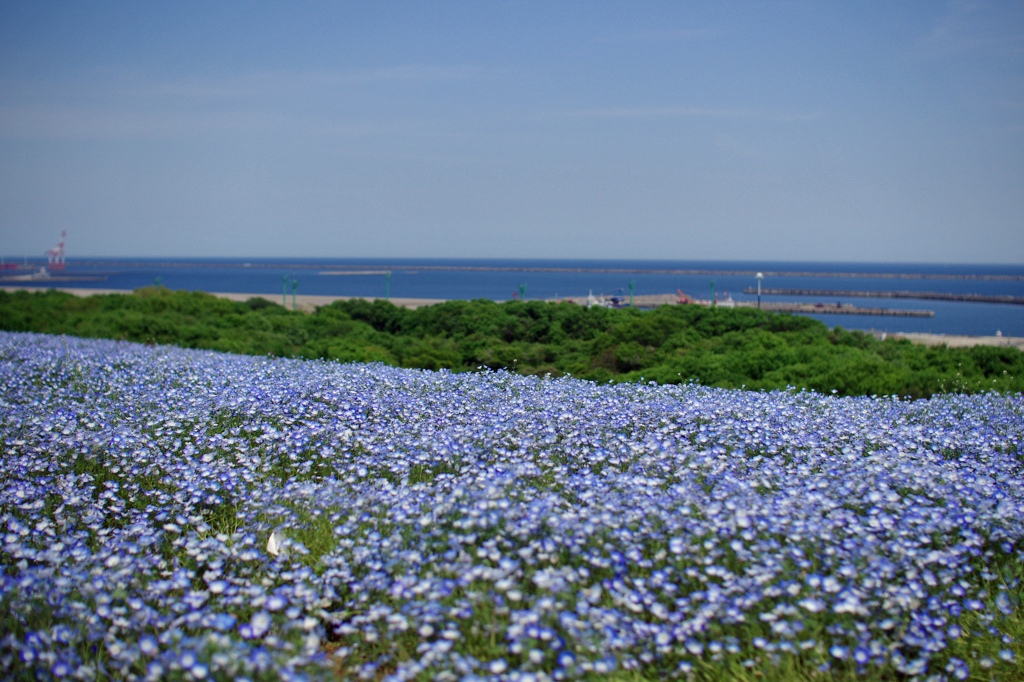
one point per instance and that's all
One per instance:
(874, 131)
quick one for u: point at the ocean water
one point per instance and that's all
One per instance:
(498, 279)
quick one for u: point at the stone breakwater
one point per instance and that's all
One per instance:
(655, 300)
(924, 295)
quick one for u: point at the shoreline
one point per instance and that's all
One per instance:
(305, 302)
(953, 340)
(309, 303)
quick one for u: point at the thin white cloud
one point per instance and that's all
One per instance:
(682, 111)
(130, 106)
(1008, 130)
(86, 122)
(967, 27)
(107, 85)
(662, 35)
(280, 81)
(738, 148)
(72, 122)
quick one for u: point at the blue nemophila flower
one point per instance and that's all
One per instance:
(1003, 603)
(148, 645)
(187, 659)
(582, 526)
(975, 604)
(958, 668)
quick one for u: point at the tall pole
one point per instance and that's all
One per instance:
(387, 285)
(284, 291)
(631, 294)
(760, 276)
(714, 298)
(295, 285)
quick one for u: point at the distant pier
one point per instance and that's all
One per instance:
(499, 268)
(43, 276)
(655, 300)
(833, 309)
(925, 295)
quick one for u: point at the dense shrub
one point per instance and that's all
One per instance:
(727, 348)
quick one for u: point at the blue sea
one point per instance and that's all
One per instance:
(498, 279)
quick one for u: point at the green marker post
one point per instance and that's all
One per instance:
(387, 285)
(295, 286)
(631, 294)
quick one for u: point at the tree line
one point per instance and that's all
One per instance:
(725, 347)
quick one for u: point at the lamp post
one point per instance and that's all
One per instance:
(387, 285)
(760, 276)
(631, 294)
(295, 285)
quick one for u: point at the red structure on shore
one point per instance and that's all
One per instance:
(55, 256)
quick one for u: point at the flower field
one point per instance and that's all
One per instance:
(176, 514)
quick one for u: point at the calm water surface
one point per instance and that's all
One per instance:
(498, 279)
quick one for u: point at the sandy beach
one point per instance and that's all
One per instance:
(954, 340)
(306, 303)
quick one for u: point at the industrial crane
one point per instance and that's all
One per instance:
(55, 256)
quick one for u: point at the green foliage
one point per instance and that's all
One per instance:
(730, 348)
